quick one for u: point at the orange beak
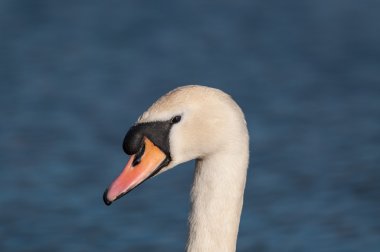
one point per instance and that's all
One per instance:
(139, 168)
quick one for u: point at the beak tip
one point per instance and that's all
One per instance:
(105, 198)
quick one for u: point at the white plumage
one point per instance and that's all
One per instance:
(213, 131)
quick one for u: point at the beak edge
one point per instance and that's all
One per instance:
(152, 161)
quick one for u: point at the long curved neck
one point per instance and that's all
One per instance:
(217, 199)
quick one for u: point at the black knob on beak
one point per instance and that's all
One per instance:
(133, 140)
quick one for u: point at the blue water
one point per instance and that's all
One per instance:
(75, 75)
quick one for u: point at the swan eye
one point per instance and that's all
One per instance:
(176, 119)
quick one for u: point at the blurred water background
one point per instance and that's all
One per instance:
(74, 75)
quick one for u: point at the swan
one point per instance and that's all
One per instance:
(201, 123)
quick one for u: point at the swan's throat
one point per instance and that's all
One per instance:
(217, 199)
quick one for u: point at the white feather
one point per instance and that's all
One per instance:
(213, 131)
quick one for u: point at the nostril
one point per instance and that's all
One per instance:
(138, 156)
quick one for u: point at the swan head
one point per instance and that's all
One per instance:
(190, 122)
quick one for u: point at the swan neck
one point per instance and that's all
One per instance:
(217, 199)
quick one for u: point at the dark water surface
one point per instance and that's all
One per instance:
(74, 76)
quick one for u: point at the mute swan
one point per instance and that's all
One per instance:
(193, 122)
